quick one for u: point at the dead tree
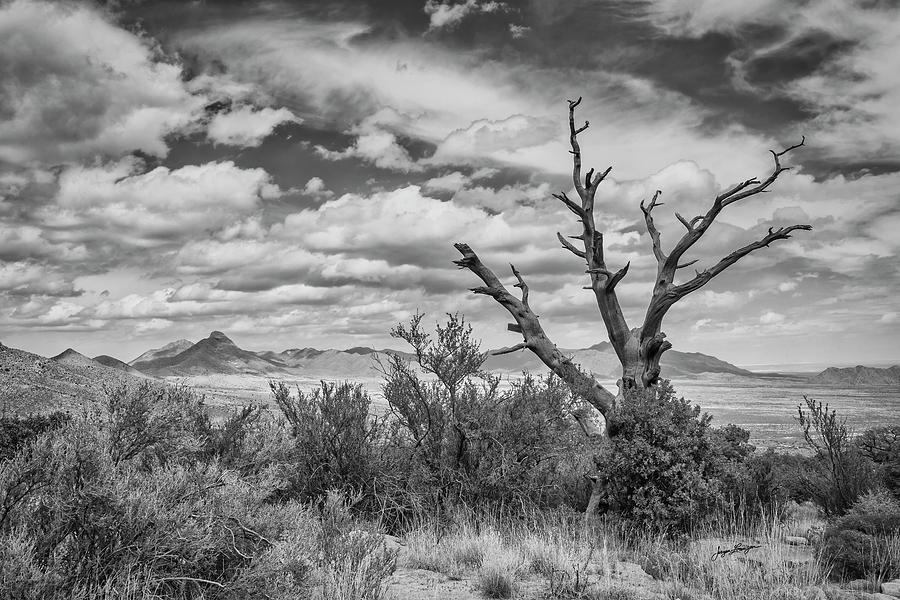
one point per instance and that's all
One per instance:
(639, 349)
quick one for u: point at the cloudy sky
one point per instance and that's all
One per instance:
(294, 173)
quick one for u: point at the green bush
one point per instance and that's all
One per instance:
(729, 452)
(865, 542)
(336, 441)
(838, 472)
(881, 445)
(126, 500)
(772, 479)
(16, 431)
(458, 437)
(657, 469)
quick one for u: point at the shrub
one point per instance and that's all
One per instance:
(336, 441)
(729, 451)
(772, 479)
(838, 473)
(86, 509)
(657, 469)
(232, 443)
(881, 445)
(865, 543)
(497, 579)
(460, 438)
(152, 422)
(357, 566)
(16, 431)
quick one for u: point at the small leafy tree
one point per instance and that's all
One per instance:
(657, 468)
(838, 473)
(434, 398)
(463, 437)
(336, 438)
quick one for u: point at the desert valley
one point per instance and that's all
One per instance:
(228, 376)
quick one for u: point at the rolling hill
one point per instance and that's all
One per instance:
(33, 383)
(115, 363)
(601, 360)
(170, 349)
(858, 376)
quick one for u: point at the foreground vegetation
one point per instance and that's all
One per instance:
(140, 495)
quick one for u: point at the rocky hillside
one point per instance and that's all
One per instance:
(214, 354)
(858, 376)
(32, 383)
(115, 363)
(170, 349)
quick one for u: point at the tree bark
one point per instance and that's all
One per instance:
(640, 349)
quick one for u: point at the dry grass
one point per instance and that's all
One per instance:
(579, 562)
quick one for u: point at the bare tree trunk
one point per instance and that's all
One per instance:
(640, 349)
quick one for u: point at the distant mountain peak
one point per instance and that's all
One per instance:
(859, 376)
(170, 349)
(360, 350)
(218, 336)
(602, 347)
(70, 355)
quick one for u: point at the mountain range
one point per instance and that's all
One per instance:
(35, 381)
(219, 354)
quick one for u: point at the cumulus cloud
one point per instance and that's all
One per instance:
(448, 14)
(27, 278)
(144, 208)
(377, 147)
(501, 139)
(247, 126)
(518, 31)
(856, 89)
(449, 182)
(19, 242)
(771, 318)
(315, 188)
(375, 143)
(467, 106)
(64, 96)
(404, 225)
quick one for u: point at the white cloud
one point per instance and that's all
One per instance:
(444, 14)
(718, 300)
(477, 111)
(518, 31)
(404, 222)
(377, 147)
(152, 326)
(376, 143)
(246, 126)
(65, 95)
(27, 278)
(449, 182)
(501, 139)
(787, 286)
(148, 207)
(315, 187)
(771, 318)
(19, 242)
(855, 94)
